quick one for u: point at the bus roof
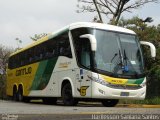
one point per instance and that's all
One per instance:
(74, 26)
(101, 26)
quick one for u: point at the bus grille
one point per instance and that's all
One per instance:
(128, 87)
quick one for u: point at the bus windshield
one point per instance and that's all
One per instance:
(118, 54)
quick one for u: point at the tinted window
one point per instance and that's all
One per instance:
(64, 48)
(58, 46)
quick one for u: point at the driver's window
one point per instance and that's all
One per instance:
(82, 47)
(85, 53)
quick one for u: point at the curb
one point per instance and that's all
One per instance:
(123, 105)
(138, 106)
(151, 106)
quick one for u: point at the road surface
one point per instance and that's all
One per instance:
(40, 111)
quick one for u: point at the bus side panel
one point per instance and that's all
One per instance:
(24, 76)
(43, 74)
(45, 79)
(61, 69)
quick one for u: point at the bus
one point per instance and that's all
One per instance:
(81, 62)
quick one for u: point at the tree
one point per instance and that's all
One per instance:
(38, 36)
(4, 54)
(111, 8)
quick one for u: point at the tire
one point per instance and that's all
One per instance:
(50, 101)
(14, 97)
(20, 94)
(110, 102)
(67, 97)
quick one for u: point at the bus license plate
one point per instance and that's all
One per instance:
(124, 93)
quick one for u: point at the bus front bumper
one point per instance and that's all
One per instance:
(104, 92)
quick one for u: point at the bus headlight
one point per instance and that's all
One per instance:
(143, 84)
(101, 81)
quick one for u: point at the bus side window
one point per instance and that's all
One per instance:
(40, 52)
(64, 45)
(31, 55)
(68, 51)
(27, 57)
(40, 56)
(10, 63)
(17, 60)
(50, 48)
(54, 47)
(21, 59)
(37, 53)
(53, 52)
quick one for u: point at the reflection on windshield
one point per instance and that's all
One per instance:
(118, 53)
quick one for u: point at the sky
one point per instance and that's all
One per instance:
(25, 18)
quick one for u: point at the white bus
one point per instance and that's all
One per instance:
(83, 61)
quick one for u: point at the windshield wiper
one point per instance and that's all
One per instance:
(114, 57)
(125, 62)
(119, 65)
(121, 58)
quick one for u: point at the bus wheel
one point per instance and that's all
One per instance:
(20, 94)
(15, 94)
(110, 102)
(67, 97)
(50, 101)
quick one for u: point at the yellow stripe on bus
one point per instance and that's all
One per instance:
(114, 80)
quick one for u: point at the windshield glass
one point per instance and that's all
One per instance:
(118, 53)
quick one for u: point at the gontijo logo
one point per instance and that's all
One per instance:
(23, 71)
(82, 90)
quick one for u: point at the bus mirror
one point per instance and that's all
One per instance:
(92, 39)
(152, 48)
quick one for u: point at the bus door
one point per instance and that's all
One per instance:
(84, 83)
(83, 74)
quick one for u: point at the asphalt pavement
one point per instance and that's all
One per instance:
(39, 111)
